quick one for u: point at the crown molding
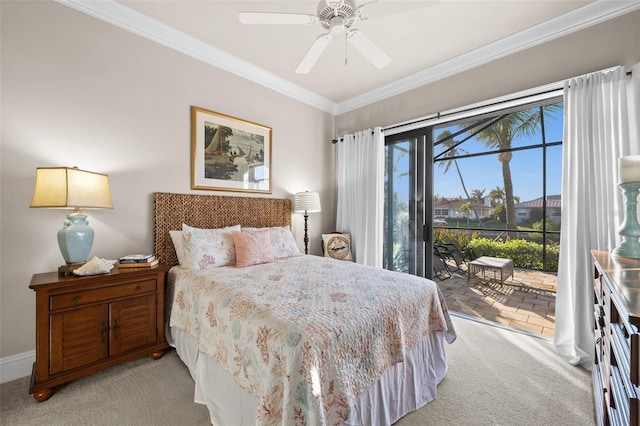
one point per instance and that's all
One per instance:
(137, 23)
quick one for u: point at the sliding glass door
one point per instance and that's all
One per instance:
(406, 200)
(491, 183)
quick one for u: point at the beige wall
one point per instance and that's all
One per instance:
(79, 92)
(615, 42)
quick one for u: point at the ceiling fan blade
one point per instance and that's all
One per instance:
(269, 18)
(313, 54)
(368, 48)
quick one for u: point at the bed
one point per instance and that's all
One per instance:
(299, 339)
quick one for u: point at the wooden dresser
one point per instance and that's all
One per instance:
(86, 324)
(616, 371)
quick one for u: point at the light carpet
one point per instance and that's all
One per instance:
(496, 377)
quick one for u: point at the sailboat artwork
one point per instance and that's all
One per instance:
(229, 154)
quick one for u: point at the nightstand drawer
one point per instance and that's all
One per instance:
(91, 296)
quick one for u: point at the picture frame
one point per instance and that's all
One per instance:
(228, 153)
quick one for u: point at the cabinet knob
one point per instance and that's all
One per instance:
(76, 299)
(138, 288)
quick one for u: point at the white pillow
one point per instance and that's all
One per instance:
(178, 245)
(208, 248)
(282, 242)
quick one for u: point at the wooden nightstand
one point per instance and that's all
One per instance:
(86, 324)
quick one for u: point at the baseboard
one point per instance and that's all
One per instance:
(16, 366)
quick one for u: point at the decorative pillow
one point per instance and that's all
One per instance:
(253, 248)
(178, 245)
(282, 241)
(337, 246)
(208, 248)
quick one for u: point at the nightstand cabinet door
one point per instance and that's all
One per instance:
(133, 324)
(83, 338)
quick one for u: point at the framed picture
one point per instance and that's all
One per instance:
(229, 154)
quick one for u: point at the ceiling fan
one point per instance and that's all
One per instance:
(336, 16)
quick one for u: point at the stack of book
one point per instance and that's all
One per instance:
(137, 261)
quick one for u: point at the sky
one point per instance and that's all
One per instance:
(485, 172)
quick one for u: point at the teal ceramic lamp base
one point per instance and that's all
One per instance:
(75, 240)
(630, 229)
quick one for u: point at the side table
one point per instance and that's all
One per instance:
(499, 266)
(87, 324)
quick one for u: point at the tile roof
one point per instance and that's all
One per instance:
(553, 201)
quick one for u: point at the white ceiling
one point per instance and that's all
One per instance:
(427, 40)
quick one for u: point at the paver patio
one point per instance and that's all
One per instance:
(526, 302)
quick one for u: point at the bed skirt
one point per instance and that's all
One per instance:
(404, 387)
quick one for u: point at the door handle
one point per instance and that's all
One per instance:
(116, 327)
(426, 233)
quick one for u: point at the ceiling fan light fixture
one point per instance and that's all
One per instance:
(337, 25)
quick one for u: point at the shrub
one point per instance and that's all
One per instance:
(551, 226)
(525, 254)
(460, 238)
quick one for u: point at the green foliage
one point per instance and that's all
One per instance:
(525, 254)
(460, 238)
(501, 212)
(535, 215)
(551, 226)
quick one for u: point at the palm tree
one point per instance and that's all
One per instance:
(465, 209)
(452, 151)
(500, 134)
(497, 195)
(478, 195)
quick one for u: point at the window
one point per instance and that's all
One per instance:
(496, 178)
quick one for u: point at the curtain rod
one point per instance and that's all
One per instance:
(440, 115)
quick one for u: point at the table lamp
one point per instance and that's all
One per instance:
(72, 188)
(306, 202)
(629, 178)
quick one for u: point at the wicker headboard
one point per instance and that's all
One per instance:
(170, 211)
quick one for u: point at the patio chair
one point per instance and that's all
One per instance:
(440, 268)
(449, 251)
(469, 254)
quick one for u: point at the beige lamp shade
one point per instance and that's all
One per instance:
(71, 188)
(306, 202)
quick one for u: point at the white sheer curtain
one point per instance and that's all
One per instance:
(361, 193)
(601, 125)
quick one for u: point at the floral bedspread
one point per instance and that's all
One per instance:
(307, 335)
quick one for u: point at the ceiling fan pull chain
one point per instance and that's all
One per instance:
(346, 48)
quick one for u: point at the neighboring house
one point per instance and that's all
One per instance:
(527, 210)
(451, 209)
